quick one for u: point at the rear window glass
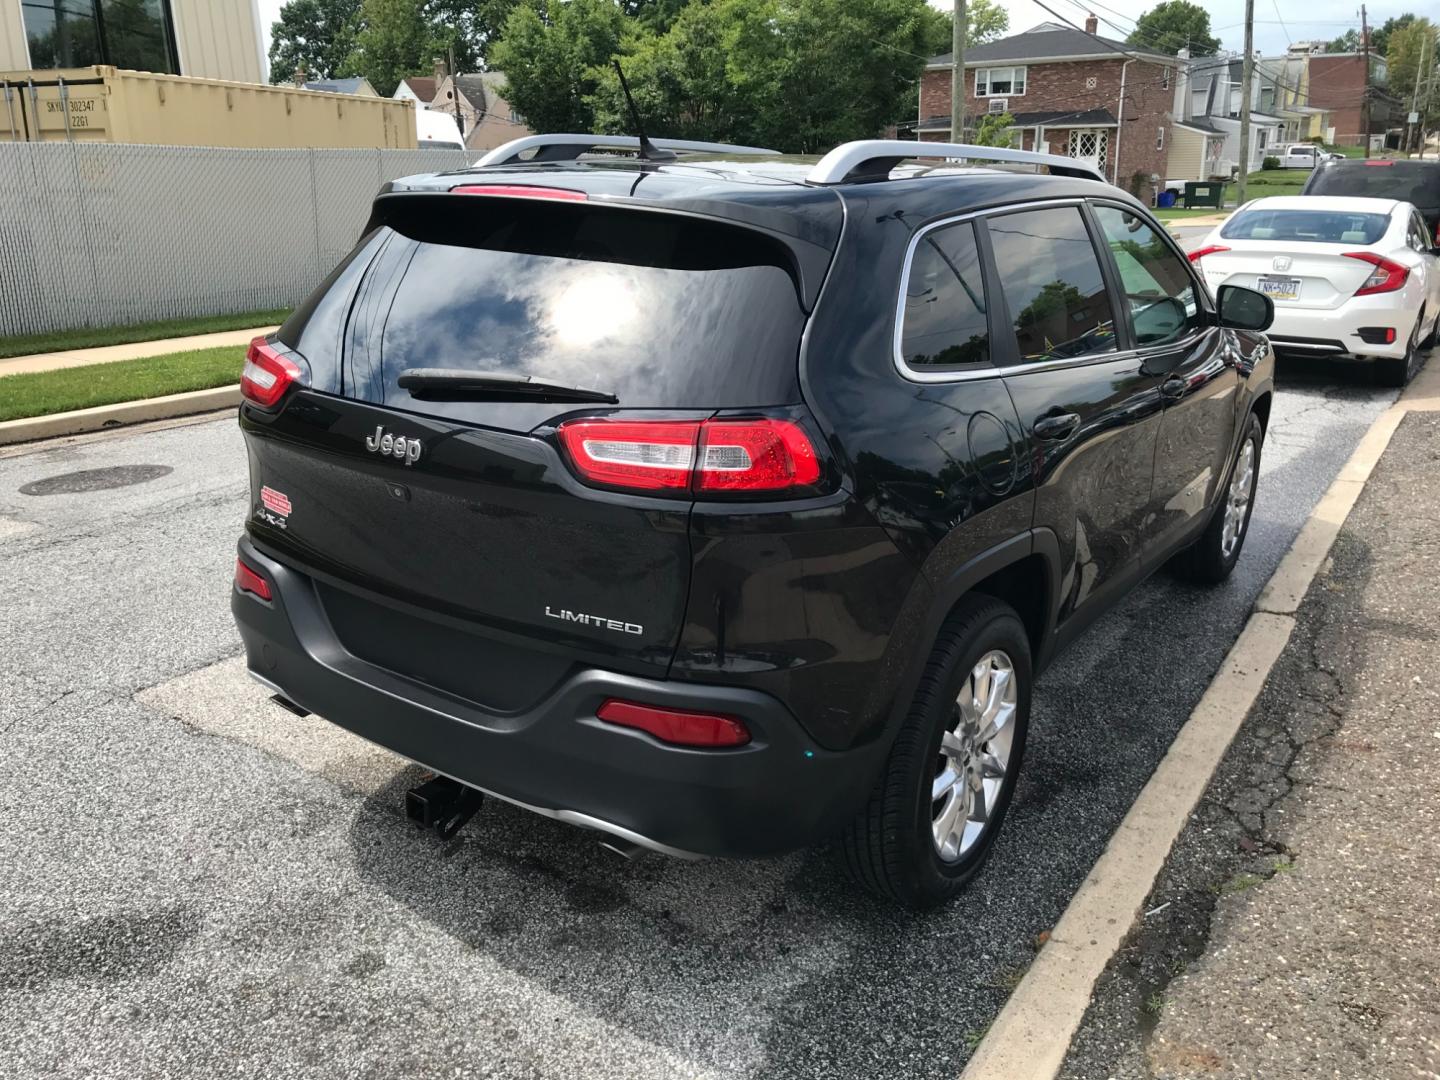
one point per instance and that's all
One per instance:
(1306, 226)
(1406, 181)
(659, 310)
(944, 322)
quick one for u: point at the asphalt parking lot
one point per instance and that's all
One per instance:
(196, 883)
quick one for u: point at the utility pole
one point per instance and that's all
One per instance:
(1365, 93)
(1247, 74)
(1415, 97)
(957, 75)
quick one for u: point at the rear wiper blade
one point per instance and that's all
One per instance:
(457, 384)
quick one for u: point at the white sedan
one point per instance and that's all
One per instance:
(1350, 277)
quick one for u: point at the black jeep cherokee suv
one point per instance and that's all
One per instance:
(730, 504)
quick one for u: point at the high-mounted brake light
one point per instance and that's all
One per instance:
(1374, 162)
(1200, 253)
(267, 374)
(761, 455)
(676, 726)
(247, 580)
(1386, 277)
(520, 191)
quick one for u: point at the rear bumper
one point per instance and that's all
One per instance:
(778, 793)
(1315, 334)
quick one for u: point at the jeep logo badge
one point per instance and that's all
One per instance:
(398, 446)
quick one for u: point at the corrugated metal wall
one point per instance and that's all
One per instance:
(99, 234)
(218, 39)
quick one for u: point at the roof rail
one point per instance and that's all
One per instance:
(569, 147)
(870, 159)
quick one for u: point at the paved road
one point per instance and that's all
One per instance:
(197, 883)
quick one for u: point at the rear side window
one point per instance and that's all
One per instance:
(1307, 226)
(1050, 275)
(657, 309)
(944, 321)
(1408, 181)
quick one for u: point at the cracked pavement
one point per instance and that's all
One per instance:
(1294, 930)
(197, 882)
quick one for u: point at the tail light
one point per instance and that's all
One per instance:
(1199, 253)
(1386, 277)
(522, 191)
(759, 456)
(247, 580)
(267, 374)
(676, 726)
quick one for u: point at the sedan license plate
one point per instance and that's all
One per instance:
(1280, 288)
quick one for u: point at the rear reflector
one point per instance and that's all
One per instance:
(1377, 335)
(675, 726)
(1200, 253)
(267, 374)
(247, 580)
(761, 455)
(1386, 277)
(519, 191)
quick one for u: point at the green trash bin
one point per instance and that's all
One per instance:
(1204, 193)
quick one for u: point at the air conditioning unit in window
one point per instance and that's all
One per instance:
(999, 104)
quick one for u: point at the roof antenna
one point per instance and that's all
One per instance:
(648, 150)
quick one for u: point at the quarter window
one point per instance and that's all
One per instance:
(1159, 293)
(999, 82)
(1050, 276)
(944, 320)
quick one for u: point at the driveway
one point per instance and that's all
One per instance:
(197, 883)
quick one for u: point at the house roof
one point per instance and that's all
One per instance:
(1200, 123)
(339, 86)
(481, 87)
(423, 87)
(1089, 118)
(1048, 42)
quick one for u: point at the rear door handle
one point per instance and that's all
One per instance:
(1055, 426)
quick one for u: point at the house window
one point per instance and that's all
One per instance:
(1165, 79)
(999, 82)
(135, 34)
(1160, 138)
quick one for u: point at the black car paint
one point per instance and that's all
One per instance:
(827, 605)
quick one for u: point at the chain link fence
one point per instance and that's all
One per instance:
(102, 234)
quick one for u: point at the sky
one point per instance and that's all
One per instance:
(1277, 22)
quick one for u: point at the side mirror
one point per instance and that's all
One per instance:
(1245, 309)
(1160, 320)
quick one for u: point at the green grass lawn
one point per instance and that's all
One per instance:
(1275, 182)
(92, 337)
(43, 392)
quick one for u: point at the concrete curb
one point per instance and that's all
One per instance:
(127, 412)
(1031, 1036)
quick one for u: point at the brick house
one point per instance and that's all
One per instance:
(1337, 84)
(1070, 92)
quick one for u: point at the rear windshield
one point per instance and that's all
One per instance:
(660, 310)
(1312, 226)
(1406, 181)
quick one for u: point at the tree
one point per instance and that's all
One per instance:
(393, 40)
(1407, 45)
(318, 35)
(553, 54)
(1173, 25)
(993, 129)
(466, 27)
(985, 21)
(1380, 35)
(1346, 43)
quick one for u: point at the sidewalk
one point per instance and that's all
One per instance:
(1295, 931)
(20, 365)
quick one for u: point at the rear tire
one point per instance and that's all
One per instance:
(1397, 371)
(937, 808)
(1210, 559)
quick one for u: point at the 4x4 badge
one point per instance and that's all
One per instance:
(395, 445)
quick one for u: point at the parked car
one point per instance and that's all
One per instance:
(1300, 156)
(1416, 182)
(435, 130)
(1351, 278)
(729, 508)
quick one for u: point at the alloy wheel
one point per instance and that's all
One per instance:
(1237, 499)
(975, 755)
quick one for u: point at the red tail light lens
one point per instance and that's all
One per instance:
(1199, 253)
(676, 726)
(247, 580)
(267, 374)
(520, 191)
(759, 456)
(1386, 277)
